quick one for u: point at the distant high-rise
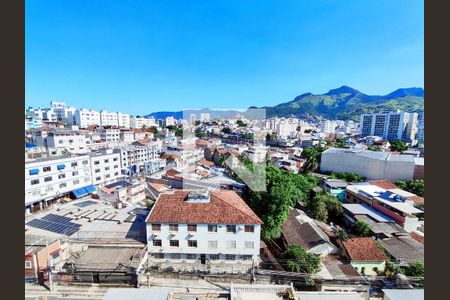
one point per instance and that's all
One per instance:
(421, 127)
(328, 126)
(395, 125)
(205, 117)
(192, 119)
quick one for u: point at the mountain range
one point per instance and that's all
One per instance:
(344, 103)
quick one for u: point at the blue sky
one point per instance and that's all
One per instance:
(144, 56)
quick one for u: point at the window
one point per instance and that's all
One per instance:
(212, 228)
(63, 185)
(106, 168)
(157, 243)
(97, 170)
(85, 162)
(74, 164)
(61, 176)
(106, 161)
(98, 178)
(75, 182)
(175, 256)
(115, 159)
(116, 173)
(231, 228)
(55, 255)
(96, 162)
(34, 181)
(192, 227)
(28, 264)
(174, 243)
(74, 173)
(249, 245)
(156, 227)
(231, 244)
(173, 227)
(108, 175)
(230, 257)
(47, 179)
(246, 257)
(86, 179)
(375, 270)
(46, 169)
(212, 244)
(33, 171)
(158, 255)
(249, 228)
(192, 243)
(191, 256)
(116, 166)
(214, 257)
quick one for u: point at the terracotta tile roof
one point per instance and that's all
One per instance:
(158, 186)
(206, 163)
(383, 183)
(363, 249)
(172, 173)
(417, 237)
(201, 142)
(225, 207)
(417, 200)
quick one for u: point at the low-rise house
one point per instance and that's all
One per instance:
(155, 165)
(210, 230)
(300, 230)
(336, 187)
(404, 249)
(364, 255)
(40, 253)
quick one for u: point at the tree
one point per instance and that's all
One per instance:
(416, 186)
(374, 148)
(415, 269)
(347, 176)
(269, 137)
(312, 157)
(247, 136)
(226, 130)
(318, 209)
(240, 123)
(399, 146)
(342, 235)
(361, 228)
(179, 132)
(223, 158)
(153, 130)
(298, 260)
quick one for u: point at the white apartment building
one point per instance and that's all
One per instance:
(134, 156)
(256, 154)
(192, 119)
(181, 235)
(188, 154)
(105, 166)
(286, 127)
(108, 118)
(127, 136)
(54, 177)
(421, 128)
(395, 125)
(205, 117)
(63, 112)
(86, 117)
(71, 140)
(328, 126)
(139, 122)
(170, 121)
(123, 120)
(109, 135)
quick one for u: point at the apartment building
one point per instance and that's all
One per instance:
(328, 126)
(105, 166)
(71, 140)
(395, 125)
(110, 135)
(86, 117)
(123, 120)
(211, 229)
(139, 122)
(135, 156)
(421, 128)
(50, 178)
(108, 118)
(205, 117)
(188, 154)
(63, 112)
(127, 136)
(170, 121)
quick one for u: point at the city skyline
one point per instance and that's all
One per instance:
(139, 60)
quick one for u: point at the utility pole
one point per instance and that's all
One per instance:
(49, 267)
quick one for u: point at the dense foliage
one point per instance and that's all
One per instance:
(240, 123)
(361, 228)
(325, 207)
(298, 260)
(226, 130)
(416, 186)
(312, 156)
(399, 146)
(347, 176)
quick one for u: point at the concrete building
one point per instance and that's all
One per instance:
(47, 179)
(110, 135)
(135, 157)
(127, 136)
(139, 122)
(395, 125)
(105, 166)
(124, 120)
(201, 229)
(71, 140)
(370, 164)
(86, 117)
(328, 126)
(421, 129)
(205, 117)
(63, 112)
(108, 118)
(170, 121)
(365, 256)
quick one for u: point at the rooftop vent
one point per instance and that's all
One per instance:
(199, 196)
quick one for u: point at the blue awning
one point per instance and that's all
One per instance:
(79, 192)
(90, 189)
(34, 171)
(60, 167)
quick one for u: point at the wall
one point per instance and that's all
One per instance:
(368, 267)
